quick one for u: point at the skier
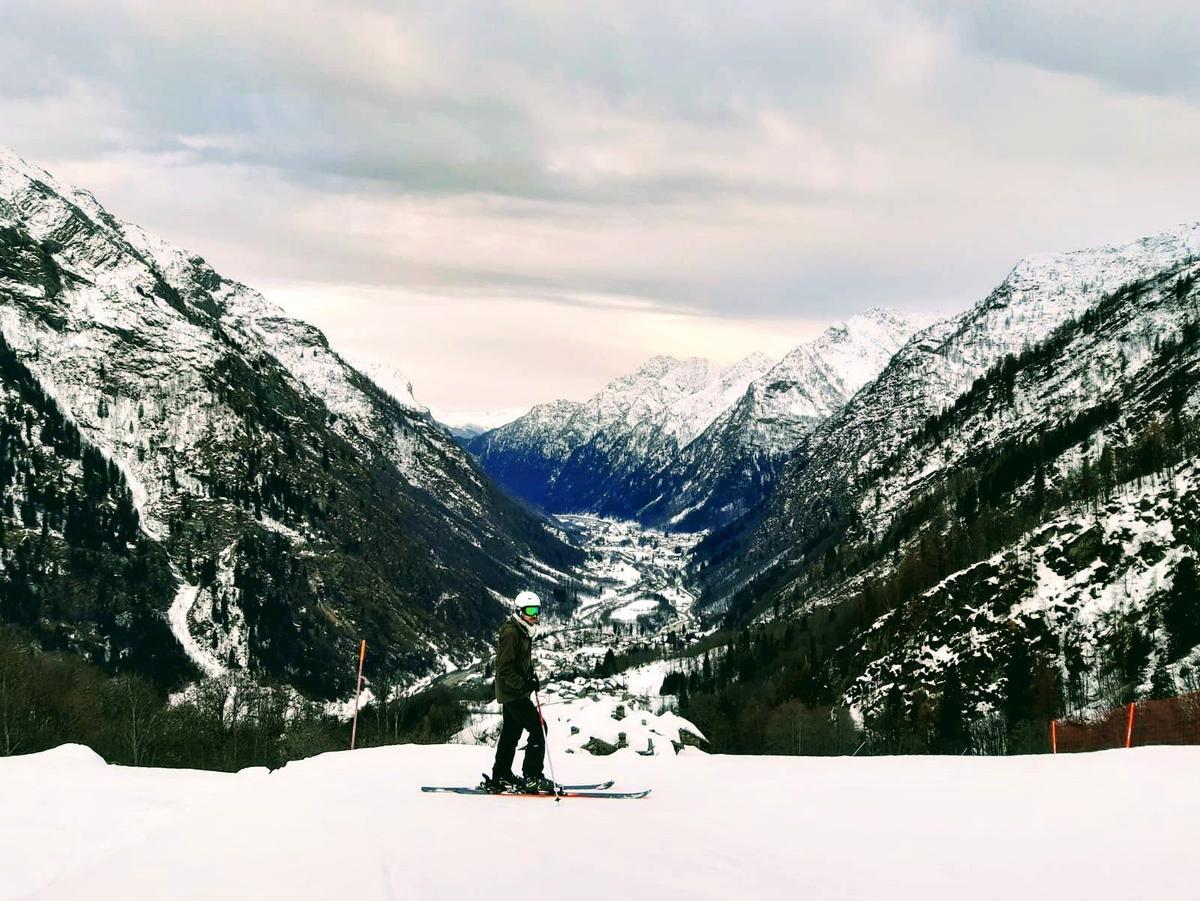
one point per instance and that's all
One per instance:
(515, 679)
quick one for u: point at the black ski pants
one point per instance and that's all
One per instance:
(520, 716)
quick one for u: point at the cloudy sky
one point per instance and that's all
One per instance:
(513, 202)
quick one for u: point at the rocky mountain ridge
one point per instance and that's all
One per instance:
(729, 467)
(566, 454)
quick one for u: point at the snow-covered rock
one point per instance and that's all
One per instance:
(595, 716)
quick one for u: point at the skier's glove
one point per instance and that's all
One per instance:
(533, 684)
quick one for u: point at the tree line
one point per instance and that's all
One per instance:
(48, 699)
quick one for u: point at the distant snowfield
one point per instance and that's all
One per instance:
(1118, 824)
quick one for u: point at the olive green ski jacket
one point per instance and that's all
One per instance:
(514, 662)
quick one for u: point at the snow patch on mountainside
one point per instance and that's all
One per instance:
(391, 380)
(179, 617)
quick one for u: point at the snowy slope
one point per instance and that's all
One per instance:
(1070, 590)
(391, 380)
(1117, 824)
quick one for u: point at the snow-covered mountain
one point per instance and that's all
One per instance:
(733, 463)
(567, 456)
(1019, 484)
(682, 443)
(298, 505)
(928, 374)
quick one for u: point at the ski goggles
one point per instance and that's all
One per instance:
(531, 611)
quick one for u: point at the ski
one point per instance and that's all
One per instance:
(580, 787)
(568, 792)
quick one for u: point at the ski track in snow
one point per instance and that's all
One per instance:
(1111, 825)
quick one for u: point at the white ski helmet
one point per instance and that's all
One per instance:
(527, 599)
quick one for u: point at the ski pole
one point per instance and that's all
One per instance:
(362, 652)
(546, 738)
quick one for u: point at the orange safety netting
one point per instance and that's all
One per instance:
(1170, 721)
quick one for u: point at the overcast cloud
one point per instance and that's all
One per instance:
(514, 202)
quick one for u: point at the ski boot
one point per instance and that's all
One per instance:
(505, 784)
(539, 785)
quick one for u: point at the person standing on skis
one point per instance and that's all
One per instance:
(515, 679)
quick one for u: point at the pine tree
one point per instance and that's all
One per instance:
(950, 727)
(607, 665)
(1039, 484)
(1181, 615)
(1162, 683)
(1106, 469)
(1018, 682)
(1131, 649)
(1087, 480)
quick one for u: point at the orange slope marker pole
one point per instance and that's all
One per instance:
(1129, 728)
(362, 653)
(1054, 736)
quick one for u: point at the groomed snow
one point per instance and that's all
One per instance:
(1118, 824)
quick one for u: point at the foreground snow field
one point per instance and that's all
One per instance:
(1118, 824)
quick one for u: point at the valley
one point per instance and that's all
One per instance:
(984, 519)
(630, 601)
(634, 578)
